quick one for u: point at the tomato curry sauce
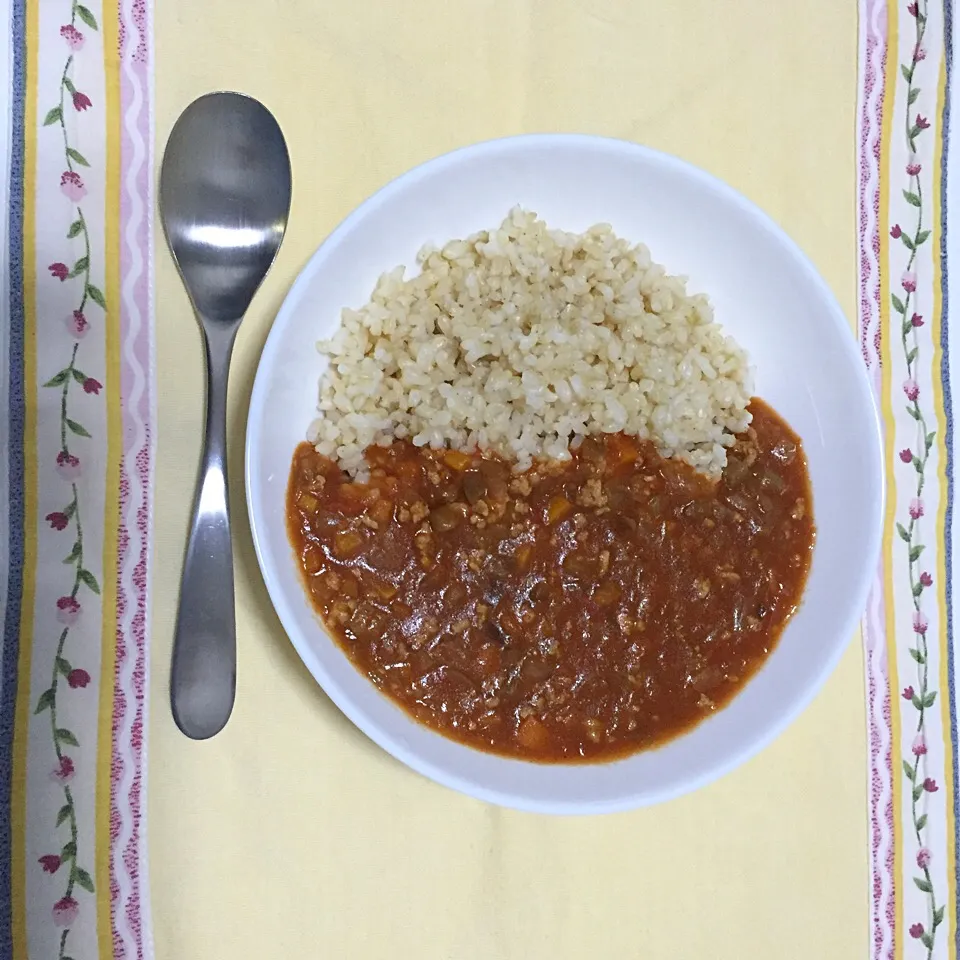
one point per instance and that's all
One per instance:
(582, 610)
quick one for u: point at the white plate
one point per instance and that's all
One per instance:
(764, 292)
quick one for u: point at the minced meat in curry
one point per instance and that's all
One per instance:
(579, 611)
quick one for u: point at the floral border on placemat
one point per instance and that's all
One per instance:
(66, 745)
(906, 305)
(907, 640)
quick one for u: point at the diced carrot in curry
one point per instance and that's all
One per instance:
(312, 561)
(532, 734)
(558, 508)
(607, 594)
(346, 543)
(622, 449)
(382, 589)
(457, 460)
(381, 511)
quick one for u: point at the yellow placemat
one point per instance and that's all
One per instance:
(290, 835)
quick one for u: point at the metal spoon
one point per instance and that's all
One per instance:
(224, 201)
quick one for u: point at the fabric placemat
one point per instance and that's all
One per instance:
(906, 243)
(290, 834)
(76, 425)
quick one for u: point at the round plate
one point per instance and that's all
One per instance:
(765, 293)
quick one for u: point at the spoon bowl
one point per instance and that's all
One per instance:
(225, 188)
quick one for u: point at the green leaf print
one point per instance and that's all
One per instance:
(83, 878)
(77, 157)
(89, 579)
(45, 701)
(57, 380)
(66, 736)
(96, 296)
(86, 16)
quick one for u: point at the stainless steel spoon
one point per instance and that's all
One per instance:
(224, 200)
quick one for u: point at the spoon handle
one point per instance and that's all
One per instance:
(203, 676)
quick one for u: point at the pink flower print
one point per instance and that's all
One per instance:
(92, 386)
(922, 122)
(917, 320)
(912, 8)
(71, 184)
(896, 232)
(909, 281)
(919, 745)
(919, 54)
(925, 579)
(68, 609)
(906, 455)
(916, 508)
(78, 324)
(63, 772)
(924, 856)
(919, 622)
(50, 863)
(930, 785)
(65, 911)
(72, 35)
(913, 168)
(68, 466)
(60, 270)
(58, 520)
(78, 678)
(916, 930)
(907, 693)
(911, 389)
(81, 102)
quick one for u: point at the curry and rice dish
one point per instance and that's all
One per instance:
(540, 510)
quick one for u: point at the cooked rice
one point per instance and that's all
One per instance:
(524, 339)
